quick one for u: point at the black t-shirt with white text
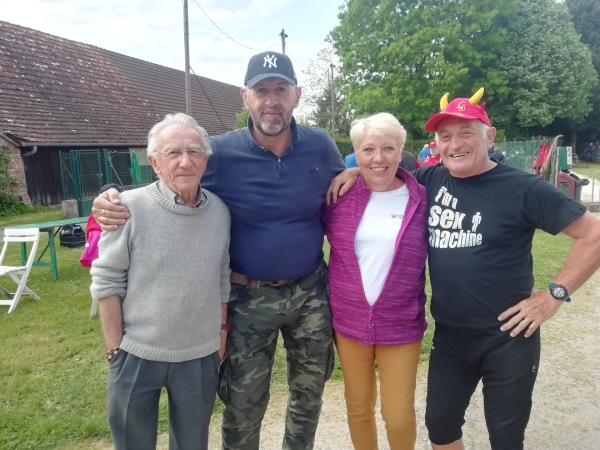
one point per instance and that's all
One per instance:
(480, 237)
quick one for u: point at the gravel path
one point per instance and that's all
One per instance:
(566, 401)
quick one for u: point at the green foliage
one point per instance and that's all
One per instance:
(586, 18)
(548, 70)
(316, 94)
(416, 145)
(241, 118)
(344, 146)
(9, 205)
(402, 56)
(5, 179)
(321, 115)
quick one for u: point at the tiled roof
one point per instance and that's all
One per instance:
(54, 90)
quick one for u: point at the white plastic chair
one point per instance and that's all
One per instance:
(18, 274)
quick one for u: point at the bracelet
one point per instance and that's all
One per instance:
(226, 327)
(111, 353)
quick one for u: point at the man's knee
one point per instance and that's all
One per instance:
(444, 425)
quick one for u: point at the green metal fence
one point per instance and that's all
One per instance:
(520, 154)
(84, 172)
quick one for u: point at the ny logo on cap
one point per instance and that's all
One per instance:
(271, 61)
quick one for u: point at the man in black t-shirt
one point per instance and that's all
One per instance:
(481, 268)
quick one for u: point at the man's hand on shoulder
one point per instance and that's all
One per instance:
(108, 212)
(341, 184)
(530, 313)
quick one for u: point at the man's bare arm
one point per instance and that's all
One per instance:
(107, 210)
(583, 260)
(341, 184)
(111, 319)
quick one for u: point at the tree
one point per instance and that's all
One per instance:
(241, 118)
(586, 18)
(402, 56)
(320, 116)
(549, 72)
(317, 94)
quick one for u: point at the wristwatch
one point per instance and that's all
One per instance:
(559, 292)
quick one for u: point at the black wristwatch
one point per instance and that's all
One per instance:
(559, 292)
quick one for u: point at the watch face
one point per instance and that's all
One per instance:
(559, 291)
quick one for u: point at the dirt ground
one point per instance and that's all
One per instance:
(566, 400)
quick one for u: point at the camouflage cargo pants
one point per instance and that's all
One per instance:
(301, 312)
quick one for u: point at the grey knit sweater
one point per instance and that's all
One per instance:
(170, 265)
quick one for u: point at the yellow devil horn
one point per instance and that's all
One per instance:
(476, 97)
(444, 101)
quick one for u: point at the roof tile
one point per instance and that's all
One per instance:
(55, 90)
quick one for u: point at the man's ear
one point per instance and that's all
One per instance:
(244, 94)
(491, 135)
(154, 163)
(298, 90)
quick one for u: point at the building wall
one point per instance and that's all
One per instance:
(42, 172)
(16, 170)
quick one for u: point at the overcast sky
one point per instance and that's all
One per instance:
(152, 30)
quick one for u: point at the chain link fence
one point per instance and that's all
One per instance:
(520, 154)
(84, 172)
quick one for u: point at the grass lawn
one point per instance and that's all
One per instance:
(587, 168)
(52, 394)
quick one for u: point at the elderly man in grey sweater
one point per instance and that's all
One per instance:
(162, 283)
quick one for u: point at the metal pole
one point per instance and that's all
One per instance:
(332, 103)
(283, 36)
(186, 38)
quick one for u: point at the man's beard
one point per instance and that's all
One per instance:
(273, 128)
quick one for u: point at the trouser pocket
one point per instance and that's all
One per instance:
(224, 381)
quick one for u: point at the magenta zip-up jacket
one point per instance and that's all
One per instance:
(398, 314)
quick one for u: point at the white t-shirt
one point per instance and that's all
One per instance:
(375, 238)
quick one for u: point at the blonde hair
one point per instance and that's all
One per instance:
(380, 124)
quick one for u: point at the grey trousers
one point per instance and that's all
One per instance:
(134, 386)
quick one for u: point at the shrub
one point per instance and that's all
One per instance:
(9, 205)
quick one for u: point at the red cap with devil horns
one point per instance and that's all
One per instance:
(462, 108)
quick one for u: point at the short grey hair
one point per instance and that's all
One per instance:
(380, 124)
(176, 119)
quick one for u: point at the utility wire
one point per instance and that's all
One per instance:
(239, 43)
(287, 47)
(208, 98)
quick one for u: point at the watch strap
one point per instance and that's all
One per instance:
(565, 298)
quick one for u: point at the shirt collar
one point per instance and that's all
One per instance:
(168, 193)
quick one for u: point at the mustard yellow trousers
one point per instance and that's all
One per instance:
(397, 367)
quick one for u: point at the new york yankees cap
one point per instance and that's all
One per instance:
(267, 65)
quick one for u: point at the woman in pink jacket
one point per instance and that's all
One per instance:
(377, 232)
